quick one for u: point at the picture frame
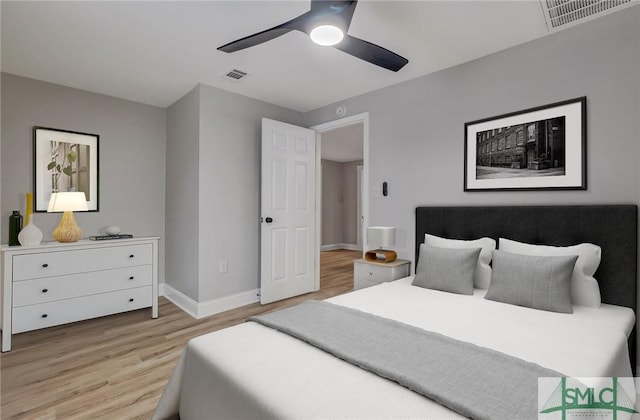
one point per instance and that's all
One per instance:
(541, 148)
(65, 161)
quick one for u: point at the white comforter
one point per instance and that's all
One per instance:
(251, 371)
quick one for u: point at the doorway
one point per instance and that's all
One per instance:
(342, 175)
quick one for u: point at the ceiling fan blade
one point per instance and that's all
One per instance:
(266, 35)
(255, 39)
(371, 53)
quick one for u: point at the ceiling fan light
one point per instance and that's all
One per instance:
(326, 35)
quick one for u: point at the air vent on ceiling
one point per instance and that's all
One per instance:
(235, 75)
(560, 13)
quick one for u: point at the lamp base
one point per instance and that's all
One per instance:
(380, 255)
(68, 230)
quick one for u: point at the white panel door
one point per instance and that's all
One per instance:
(288, 232)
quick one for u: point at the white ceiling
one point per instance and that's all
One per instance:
(156, 51)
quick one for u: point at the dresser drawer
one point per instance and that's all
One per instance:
(49, 264)
(48, 289)
(44, 315)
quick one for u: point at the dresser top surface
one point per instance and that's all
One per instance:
(83, 243)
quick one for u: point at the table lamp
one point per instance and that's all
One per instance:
(67, 202)
(381, 237)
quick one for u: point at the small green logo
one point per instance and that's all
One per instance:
(606, 398)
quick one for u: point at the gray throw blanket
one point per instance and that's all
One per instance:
(474, 381)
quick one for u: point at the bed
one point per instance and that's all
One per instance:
(255, 371)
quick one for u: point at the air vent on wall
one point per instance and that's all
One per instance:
(559, 13)
(235, 75)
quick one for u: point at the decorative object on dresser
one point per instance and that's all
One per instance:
(381, 237)
(369, 273)
(112, 230)
(67, 202)
(30, 235)
(64, 161)
(109, 237)
(537, 148)
(58, 283)
(15, 226)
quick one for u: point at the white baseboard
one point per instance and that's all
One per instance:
(331, 247)
(179, 299)
(215, 306)
(211, 307)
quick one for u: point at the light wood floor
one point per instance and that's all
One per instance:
(116, 367)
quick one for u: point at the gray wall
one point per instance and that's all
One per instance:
(182, 215)
(227, 187)
(350, 208)
(417, 128)
(332, 203)
(339, 202)
(132, 155)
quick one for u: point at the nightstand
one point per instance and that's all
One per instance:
(370, 273)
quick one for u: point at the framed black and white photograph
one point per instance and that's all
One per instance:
(64, 161)
(536, 148)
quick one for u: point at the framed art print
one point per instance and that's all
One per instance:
(537, 148)
(64, 161)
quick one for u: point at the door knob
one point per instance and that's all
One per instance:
(268, 220)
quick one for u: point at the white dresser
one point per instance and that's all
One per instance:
(55, 283)
(369, 273)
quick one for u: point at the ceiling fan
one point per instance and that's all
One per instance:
(327, 24)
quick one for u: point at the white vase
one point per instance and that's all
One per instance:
(30, 235)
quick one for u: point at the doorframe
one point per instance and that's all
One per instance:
(359, 201)
(362, 118)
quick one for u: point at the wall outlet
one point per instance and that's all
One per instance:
(222, 266)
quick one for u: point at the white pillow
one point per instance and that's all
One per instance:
(584, 287)
(482, 274)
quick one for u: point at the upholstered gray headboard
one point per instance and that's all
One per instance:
(612, 227)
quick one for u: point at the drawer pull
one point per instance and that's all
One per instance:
(44, 315)
(45, 290)
(131, 300)
(131, 256)
(45, 265)
(131, 278)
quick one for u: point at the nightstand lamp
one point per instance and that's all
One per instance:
(67, 202)
(381, 237)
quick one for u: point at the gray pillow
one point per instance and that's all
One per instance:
(446, 269)
(534, 281)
